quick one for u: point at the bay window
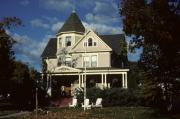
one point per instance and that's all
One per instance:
(68, 41)
(68, 61)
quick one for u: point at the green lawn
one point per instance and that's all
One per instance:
(7, 108)
(7, 112)
(105, 113)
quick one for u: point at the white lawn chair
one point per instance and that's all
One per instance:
(74, 103)
(98, 103)
(86, 105)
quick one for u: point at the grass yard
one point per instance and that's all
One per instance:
(7, 108)
(105, 113)
(2, 113)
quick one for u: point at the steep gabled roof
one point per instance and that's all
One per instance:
(50, 49)
(73, 23)
(113, 41)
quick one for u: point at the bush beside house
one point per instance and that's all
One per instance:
(112, 97)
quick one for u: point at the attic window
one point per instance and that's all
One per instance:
(85, 43)
(95, 43)
(68, 41)
(90, 42)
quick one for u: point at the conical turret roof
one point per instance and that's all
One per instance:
(73, 23)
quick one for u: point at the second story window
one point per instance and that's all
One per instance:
(68, 61)
(94, 61)
(68, 41)
(60, 42)
(86, 61)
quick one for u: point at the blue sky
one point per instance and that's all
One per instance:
(42, 18)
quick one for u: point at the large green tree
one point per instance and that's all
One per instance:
(6, 52)
(22, 85)
(155, 25)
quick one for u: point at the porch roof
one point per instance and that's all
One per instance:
(64, 70)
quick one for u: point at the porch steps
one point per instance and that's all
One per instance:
(63, 102)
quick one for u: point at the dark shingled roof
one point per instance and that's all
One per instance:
(113, 41)
(50, 49)
(73, 23)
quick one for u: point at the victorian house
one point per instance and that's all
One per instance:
(76, 53)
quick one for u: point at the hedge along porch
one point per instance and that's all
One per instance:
(102, 77)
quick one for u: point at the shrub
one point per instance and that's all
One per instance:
(112, 96)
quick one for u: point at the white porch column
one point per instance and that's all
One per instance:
(102, 80)
(82, 80)
(126, 80)
(79, 80)
(47, 86)
(50, 83)
(123, 86)
(105, 77)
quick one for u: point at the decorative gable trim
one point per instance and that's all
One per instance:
(79, 41)
(65, 69)
(86, 35)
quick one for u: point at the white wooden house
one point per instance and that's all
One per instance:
(76, 51)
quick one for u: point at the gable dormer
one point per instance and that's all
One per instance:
(70, 32)
(90, 42)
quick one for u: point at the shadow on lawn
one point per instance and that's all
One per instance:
(105, 113)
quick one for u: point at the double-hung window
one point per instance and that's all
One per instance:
(86, 61)
(94, 61)
(60, 43)
(90, 42)
(68, 41)
(90, 61)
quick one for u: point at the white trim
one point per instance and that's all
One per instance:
(79, 80)
(86, 41)
(126, 86)
(102, 79)
(78, 41)
(60, 33)
(69, 69)
(72, 71)
(110, 70)
(123, 81)
(95, 37)
(94, 73)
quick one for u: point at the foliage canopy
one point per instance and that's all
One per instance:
(155, 26)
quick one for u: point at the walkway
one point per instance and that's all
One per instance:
(14, 115)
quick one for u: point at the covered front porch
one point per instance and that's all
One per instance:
(102, 78)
